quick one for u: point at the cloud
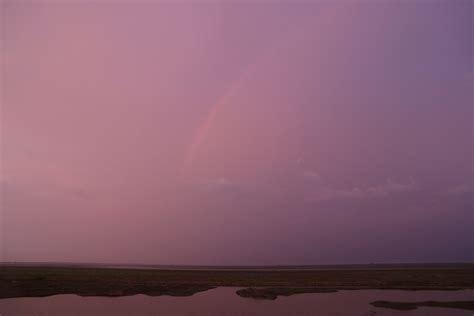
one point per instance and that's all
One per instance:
(213, 184)
(321, 191)
(460, 190)
(470, 76)
(235, 187)
(314, 177)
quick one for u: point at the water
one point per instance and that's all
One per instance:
(224, 301)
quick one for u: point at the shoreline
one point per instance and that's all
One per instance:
(40, 281)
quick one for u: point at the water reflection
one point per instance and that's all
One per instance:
(224, 301)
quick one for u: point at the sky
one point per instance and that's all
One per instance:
(237, 132)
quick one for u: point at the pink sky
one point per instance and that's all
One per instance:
(237, 132)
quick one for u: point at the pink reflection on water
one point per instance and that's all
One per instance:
(224, 301)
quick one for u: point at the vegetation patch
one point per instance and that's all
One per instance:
(404, 306)
(273, 293)
(30, 281)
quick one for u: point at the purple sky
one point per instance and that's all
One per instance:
(256, 132)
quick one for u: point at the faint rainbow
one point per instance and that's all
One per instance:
(205, 126)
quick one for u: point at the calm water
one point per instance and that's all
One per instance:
(224, 301)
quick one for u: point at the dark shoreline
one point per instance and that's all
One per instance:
(39, 281)
(272, 293)
(406, 306)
